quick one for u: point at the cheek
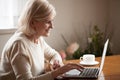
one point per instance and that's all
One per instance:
(41, 29)
(45, 27)
(39, 26)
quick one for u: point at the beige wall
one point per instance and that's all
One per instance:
(3, 40)
(114, 23)
(74, 17)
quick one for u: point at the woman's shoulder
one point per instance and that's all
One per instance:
(15, 38)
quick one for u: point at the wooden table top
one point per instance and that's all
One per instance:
(111, 68)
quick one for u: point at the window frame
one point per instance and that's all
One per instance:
(7, 31)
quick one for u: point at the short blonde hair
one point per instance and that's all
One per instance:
(37, 10)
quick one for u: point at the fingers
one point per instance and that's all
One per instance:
(56, 64)
(68, 67)
(75, 66)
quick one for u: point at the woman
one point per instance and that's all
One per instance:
(25, 52)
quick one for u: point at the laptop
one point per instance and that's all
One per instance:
(88, 72)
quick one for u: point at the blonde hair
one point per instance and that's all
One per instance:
(37, 10)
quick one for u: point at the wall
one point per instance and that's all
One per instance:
(3, 40)
(114, 24)
(74, 18)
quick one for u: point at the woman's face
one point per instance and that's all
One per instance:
(43, 27)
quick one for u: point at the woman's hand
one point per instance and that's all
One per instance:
(56, 64)
(52, 66)
(66, 68)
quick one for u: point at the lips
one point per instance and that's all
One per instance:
(48, 30)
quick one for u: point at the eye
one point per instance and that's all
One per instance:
(48, 21)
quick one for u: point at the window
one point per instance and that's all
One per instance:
(10, 11)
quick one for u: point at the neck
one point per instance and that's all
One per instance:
(33, 38)
(36, 40)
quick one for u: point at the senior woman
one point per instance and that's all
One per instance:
(25, 52)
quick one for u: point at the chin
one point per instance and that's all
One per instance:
(46, 35)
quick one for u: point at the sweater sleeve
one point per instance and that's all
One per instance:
(20, 62)
(50, 53)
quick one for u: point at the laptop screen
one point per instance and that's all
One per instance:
(103, 55)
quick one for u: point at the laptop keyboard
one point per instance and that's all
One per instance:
(90, 73)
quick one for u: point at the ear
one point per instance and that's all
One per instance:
(32, 23)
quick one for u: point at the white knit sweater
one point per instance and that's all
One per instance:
(24, 60)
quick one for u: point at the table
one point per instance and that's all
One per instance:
(111, 69)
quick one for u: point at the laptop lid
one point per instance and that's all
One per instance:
(103, 56)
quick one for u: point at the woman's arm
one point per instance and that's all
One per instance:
(51, 54)
(20, 62)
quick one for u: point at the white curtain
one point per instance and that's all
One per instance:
(10, 11)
